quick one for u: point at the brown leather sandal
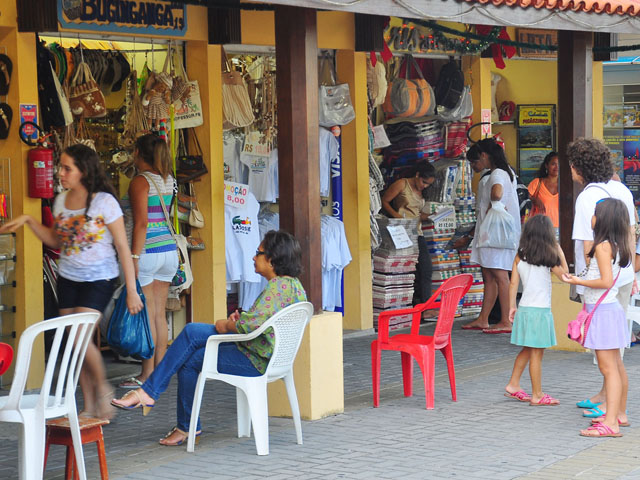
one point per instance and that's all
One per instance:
(183, 437)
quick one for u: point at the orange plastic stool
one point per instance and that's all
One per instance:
(59, 433)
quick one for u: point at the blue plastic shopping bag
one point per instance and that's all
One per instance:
(129, 335)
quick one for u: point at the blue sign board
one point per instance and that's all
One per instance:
(145, 17)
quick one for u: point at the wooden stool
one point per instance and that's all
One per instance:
(59, 433)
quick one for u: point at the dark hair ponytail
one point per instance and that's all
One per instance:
(94, 178)
(496, 155)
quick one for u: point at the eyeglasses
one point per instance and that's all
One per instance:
(260, 252)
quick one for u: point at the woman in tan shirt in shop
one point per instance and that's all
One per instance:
(403, 199)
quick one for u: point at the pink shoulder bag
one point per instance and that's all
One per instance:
(577, 329)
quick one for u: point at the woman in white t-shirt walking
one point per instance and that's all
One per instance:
(88, 225)
(496, 263)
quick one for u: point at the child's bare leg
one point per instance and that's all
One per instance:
(622, 412)
(608, 364)
(518, 367)
(535, 371)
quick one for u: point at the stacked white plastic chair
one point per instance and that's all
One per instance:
(251, 392)
(633, 312)
(55, 398)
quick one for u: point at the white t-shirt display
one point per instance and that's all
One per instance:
(242, 239)
(87, 253)
(328, 151)
(234, 169)
(500, 258)
(335, 257)
(263, 175)
(584, 210)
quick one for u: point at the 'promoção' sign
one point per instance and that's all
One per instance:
(154, 17)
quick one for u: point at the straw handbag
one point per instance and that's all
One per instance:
(236, 105)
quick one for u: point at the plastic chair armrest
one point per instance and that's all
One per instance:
(210, 361)
(384, 317)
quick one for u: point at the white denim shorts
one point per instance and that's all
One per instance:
(160, 266)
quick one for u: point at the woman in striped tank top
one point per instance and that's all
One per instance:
(154, 251)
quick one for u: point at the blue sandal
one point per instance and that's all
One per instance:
(593, 413)
(587, 404)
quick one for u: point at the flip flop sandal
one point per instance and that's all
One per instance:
(6, 114)
(494, 331)
(601, 419)
(587, 404)
(594, 412)
(6, 67)
(471, 327)
(546, 401)
(182, 440)
(602, 430)
(520, 395)
(132, 382)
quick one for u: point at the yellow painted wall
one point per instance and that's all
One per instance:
(524, 81)
(335, 29)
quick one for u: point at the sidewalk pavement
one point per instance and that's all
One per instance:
(481, 436)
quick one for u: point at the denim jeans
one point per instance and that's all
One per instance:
(185, 356)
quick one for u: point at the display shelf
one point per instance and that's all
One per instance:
(7, 274)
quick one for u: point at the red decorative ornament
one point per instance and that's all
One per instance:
(497, 49)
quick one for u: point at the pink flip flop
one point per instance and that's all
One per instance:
(602, 431)
(492, 331)
(546, 401)
(520, 395)
(601, 419)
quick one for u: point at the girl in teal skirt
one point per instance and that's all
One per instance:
(539, 254)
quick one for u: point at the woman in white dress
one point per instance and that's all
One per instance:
(496, 263)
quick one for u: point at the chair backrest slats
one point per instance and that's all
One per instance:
(79, 327)
(451, 292)
(288, 328)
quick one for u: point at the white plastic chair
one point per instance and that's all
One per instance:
(54, 400)
(633, 313)
(251, 392)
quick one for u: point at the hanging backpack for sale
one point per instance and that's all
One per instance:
(524, 199)
(450, 85)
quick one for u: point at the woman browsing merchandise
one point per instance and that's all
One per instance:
(404, 199)
(543, 189)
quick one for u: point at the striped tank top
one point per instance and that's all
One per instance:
(158, 238)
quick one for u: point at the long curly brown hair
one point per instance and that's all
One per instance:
(94, 178)
(591, 159)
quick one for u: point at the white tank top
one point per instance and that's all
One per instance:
(592, 295)
(536, 283)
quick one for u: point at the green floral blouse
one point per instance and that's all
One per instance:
(279, 293)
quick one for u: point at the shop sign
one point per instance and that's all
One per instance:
(256, 145)
(485, 119)
(235, 194)
(540, 37)
(399, 236)
(152, 17)
(535, 116)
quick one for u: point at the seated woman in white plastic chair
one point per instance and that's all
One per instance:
(278, 259)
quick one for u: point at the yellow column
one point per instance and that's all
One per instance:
(28, 298)
(598, 100)
(478, 75)
(352, 69)
(209, 273)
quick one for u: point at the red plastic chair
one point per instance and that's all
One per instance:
(421, 347)
(6, 356)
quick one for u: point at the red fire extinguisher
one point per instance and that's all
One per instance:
(39, 163)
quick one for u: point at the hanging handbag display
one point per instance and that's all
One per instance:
(408, 97)
(183, 277)
(129, 335)
(190, 167)
(577, 329)
(85, 97)
(186, 100)
(237, 110)
(196, 219)
(334, 101)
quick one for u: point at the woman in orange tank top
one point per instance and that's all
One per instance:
(544, 189)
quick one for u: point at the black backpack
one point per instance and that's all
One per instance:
(450, 85)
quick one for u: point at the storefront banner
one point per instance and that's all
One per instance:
(150, 17)
(534, 116)
(235, 194)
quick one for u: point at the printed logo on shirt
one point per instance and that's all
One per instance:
(258, 165)
(241, 225)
